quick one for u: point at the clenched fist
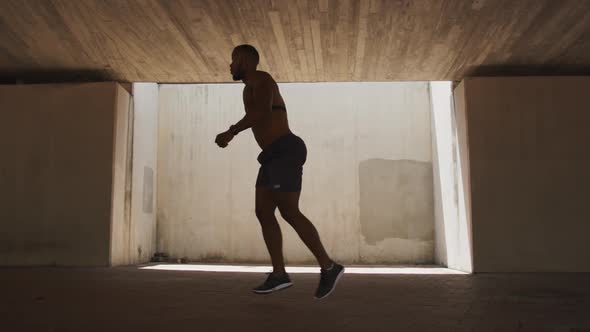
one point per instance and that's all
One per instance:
(224, 138)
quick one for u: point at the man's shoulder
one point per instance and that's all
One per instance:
(264, 77)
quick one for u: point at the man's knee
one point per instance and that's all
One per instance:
(290, 215)
(265, 215)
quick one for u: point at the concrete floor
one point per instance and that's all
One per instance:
(130, 299)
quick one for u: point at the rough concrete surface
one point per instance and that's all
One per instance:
(206, 194)
(129, 299)
(56, 173)
(529, 178)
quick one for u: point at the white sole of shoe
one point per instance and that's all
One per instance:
(278, 288)
(333, 287)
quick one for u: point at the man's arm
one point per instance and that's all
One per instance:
(260, 103)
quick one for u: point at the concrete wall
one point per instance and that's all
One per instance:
(452, 230)
(529, 162)
(121, 228)
(464, 236)
(367, 184)
(143, 197)
(60, 171)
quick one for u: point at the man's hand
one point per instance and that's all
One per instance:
(224, 138)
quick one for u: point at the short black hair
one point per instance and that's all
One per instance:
(250, 51)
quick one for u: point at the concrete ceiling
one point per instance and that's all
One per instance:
(299, 40)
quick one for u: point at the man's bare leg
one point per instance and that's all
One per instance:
(288, 204)
(265, 212)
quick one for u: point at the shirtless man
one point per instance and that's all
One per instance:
(279, 178)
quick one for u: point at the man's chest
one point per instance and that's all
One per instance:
(247, 96)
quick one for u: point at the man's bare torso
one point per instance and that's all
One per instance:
(274, 122)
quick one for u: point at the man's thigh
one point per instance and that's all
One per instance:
(280, 175)
(287, 202)
(285, 176)
(265, 201)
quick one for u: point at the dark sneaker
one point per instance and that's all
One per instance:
(328, 280)
(273, 283)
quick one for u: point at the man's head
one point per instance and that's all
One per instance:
(244, 60)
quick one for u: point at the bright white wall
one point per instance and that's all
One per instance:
(367, 184)
(452, 237)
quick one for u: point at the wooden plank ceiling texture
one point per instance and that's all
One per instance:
(299, 40)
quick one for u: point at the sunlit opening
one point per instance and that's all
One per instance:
(300, 269)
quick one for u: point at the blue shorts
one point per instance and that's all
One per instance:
(281, 164)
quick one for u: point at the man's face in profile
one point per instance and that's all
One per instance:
(234, 67)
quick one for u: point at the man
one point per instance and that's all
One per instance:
(281, 168)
